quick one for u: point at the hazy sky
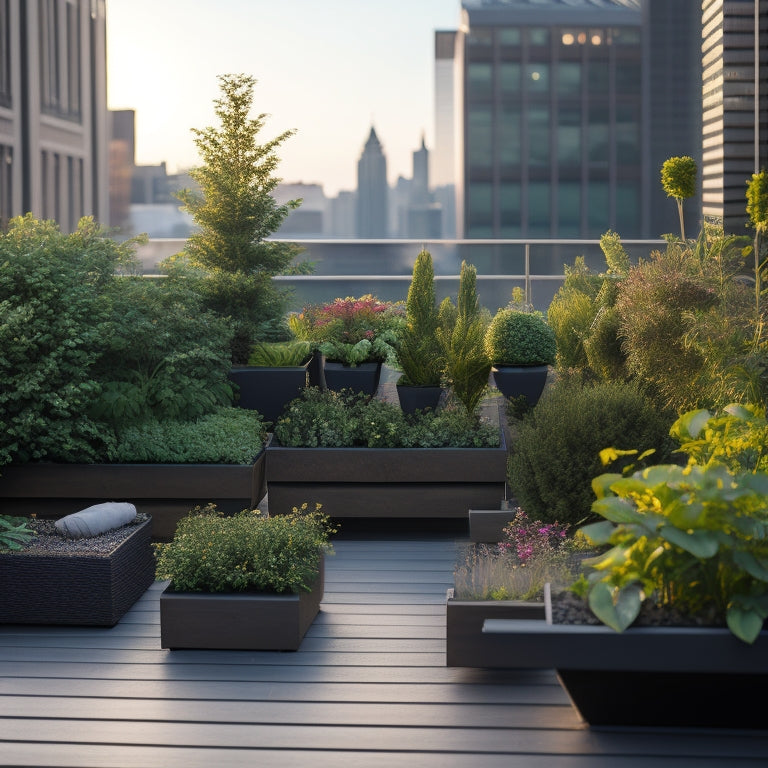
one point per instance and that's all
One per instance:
(326, 68)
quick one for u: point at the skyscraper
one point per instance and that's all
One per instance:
(563, 129)
(735, 92)
(371, 208)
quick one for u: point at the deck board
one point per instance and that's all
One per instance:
(368, 687)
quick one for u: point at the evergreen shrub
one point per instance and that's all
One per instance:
(557, 449)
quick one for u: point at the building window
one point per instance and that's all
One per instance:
(5, 53)
(539, 209)
(480, 138)
(538, 136)
(480, 211)
(60, 68)
(598, 208)
(568, 209)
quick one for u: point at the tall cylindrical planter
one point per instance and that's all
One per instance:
(360, 378)
(516, 380)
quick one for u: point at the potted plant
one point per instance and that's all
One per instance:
(505, 581)
(88, 568)
(355, 336)
(369, 459)
(521, 347)
(460, 333)
(419, 355)
(276, 374)
(681, 586)
(249, 581)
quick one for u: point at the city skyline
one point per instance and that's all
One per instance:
(330, 72)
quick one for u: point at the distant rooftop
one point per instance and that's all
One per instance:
(552, 12)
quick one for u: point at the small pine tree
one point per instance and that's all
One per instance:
(235, 212)
(462, 337)
(420, 356)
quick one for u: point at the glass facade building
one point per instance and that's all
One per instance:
(558, 109)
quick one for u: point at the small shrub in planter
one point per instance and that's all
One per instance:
(557, 449)
(515, 337)
(280, 354)
(245, 552)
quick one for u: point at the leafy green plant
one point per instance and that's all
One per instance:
(556, 451)
(53, 309)
(352, 330)
(694, 538)
(461, 334)
(225, 436)
(418, 354)
(233, 262)
(329, 419)
(14, 532)
(736, 437)
(280, 354)
(678, 178)
(515, 337)
(246, 552)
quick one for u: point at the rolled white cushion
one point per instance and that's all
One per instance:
(97, 519)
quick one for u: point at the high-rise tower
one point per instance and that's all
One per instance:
(371, 209)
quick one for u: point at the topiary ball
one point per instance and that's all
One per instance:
(515, 337)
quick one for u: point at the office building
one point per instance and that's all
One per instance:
(562, 129)
(53, 113)
(735, 98)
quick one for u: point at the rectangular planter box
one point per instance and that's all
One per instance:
(165, 491)
(238, 621)
(466, 644)
(646, 676)
(386, 482)
(94, 590)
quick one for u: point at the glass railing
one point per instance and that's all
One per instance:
(384, 267)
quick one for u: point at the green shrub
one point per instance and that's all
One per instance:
(515, 337)
(248, 551)
(461, 335)
(329, 419)
(685, 321)
(227, 436)
(53, 310)
(418, 354)
(163, 356)
(557, 450)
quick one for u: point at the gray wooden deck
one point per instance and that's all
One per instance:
(369, 687)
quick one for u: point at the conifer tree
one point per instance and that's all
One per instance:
(235, 212)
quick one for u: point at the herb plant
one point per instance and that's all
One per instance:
(280, 354)
(248, 551)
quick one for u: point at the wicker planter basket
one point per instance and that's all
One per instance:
(86, 589)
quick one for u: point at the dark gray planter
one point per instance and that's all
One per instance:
(414, 399)
(466, 645)
(360, 378)
(517, 380)
(269, 390)
(251, 621)
(647, 676)
(486, 526)
(386, 482)
(167, 492)
(77, 588)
